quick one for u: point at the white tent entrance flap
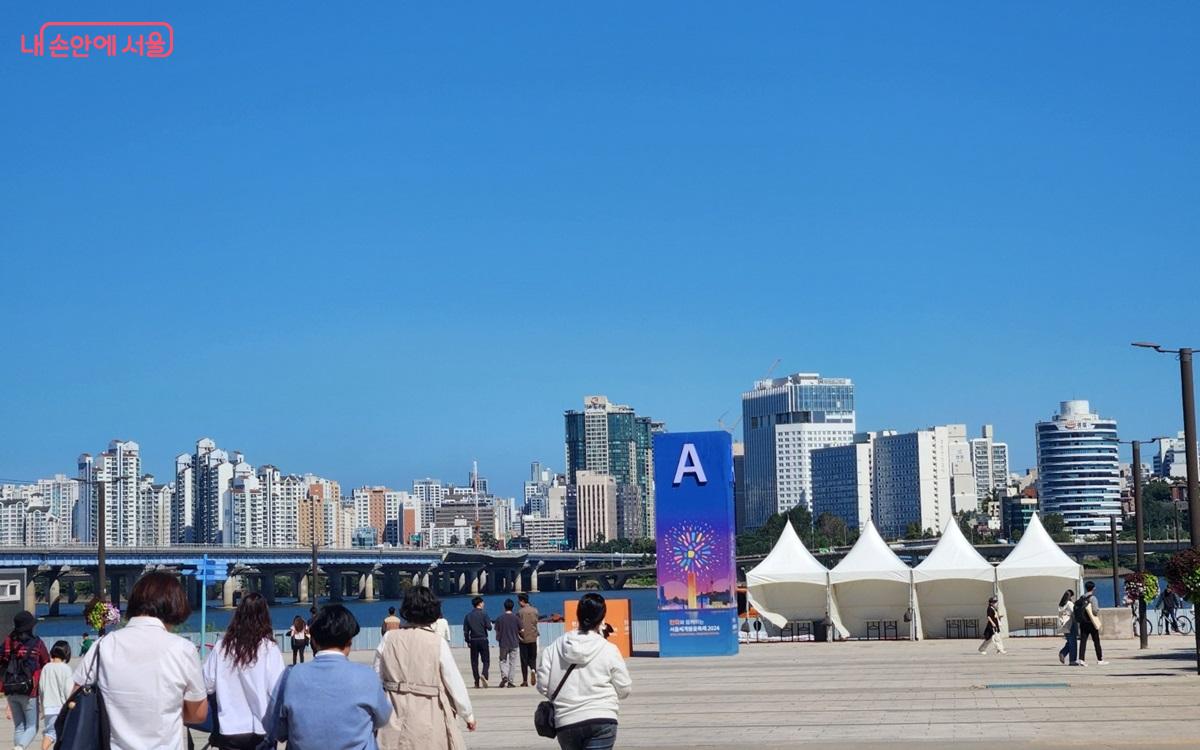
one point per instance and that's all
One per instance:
(872, 585)
(953, 585)
(790, 585)
(1034, 576)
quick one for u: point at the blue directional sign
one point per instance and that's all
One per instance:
(206, 569)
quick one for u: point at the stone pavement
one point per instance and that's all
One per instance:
(896, 695)
(931, 694)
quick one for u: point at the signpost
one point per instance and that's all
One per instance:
(697, 569)
(207, 571)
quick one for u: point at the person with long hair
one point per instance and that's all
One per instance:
(150, 678)
(421, 680)
(298, 635)
(242, 671)
(1069, 628)
(586, 704)
(22, 658)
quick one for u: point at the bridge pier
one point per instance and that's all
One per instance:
(30, 595)
(54, 596)
(267, 588)
(337, 584)
(228, 589)
(300, 588)
(366, 587)
(390, 585)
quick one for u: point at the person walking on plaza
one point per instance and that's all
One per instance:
(421, 681)
(391, 622)
(584, 676)
(442, 626)
(242, 671)
(508, 628)
(86, 643)
(1069, 628)
(1169, 604)
(991, 631)
(21, 661)
(298, 634)
(528, 615)
(475, 631)
(54, 687)
(330, 703)
(1087, 615)
(150, 679)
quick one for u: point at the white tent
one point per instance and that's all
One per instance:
(953, 582)
(871, 583)
(790, 584)
(1034, 576)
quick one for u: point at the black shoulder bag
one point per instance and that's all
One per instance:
(543, 715)
(82, 722)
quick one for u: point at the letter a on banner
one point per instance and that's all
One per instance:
(689, 463)
(697, 572)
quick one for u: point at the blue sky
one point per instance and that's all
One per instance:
(379, 244)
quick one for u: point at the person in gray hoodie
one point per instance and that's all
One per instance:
(585, 677)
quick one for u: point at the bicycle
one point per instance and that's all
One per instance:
(1183, 624)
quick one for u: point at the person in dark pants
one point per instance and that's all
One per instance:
(1169, 603)
(528, 615)
(475, 631)
(1087, 615)
(507, 629)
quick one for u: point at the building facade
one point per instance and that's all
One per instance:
(913, 479)
(797, 414)
(843, 478)
(990, 460)
(119, 470)
(597, 508)
(1079, 471)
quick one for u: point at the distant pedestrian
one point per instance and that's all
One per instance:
(421, 680)
(330, 703)
(1087, 615)
(54, 687)
(242, 671)
(529, 616)
(86, 643)
(1169, 604)
(150, 678)
(1069, 628)
(391, 622)
(22, 658)
(442, 626)
(508, 628)
(586, 704)
(298, 634)
(475, 631)
(991, 631)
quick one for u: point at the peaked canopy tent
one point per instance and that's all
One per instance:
(953, 582)
(790, 584)
(1034, 576)
(871, 583)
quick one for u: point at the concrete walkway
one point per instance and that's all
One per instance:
(932, 694)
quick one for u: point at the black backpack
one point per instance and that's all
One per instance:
(22, 666)
(1082, 616)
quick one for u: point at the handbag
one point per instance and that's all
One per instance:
(543, 715)
(82, 722)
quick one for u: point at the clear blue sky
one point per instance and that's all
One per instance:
(377, 244)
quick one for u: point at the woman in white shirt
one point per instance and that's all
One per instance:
(242, 671)
(150, 679)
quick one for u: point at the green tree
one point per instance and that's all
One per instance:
(1056, 527)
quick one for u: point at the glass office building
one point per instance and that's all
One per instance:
(1079, 468)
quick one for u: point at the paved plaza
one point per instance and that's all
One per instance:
(931, 694)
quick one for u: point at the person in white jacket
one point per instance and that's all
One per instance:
(585, 677)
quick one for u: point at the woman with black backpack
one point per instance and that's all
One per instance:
(21, 660)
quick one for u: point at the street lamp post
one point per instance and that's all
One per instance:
(1189, 434)
(1140, 532)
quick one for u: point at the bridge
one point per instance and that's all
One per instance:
(357, 572)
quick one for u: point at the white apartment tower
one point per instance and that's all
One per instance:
(990, 459)
(119, 470)
(597, 507)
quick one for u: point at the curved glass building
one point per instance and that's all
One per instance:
(1079, 472)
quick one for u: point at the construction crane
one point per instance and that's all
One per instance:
(728, 427)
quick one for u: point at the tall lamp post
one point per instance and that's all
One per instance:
(1189, 433)
(1140, 534)
(101, 528)
(1189, 446)
(314, 505)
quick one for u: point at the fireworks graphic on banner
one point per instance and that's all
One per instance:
(692, 547)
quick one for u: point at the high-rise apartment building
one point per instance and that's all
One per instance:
(119, 469)
(608, 438)
(1170, 460)
(597, 508)
(913, 479)
(1079, 468)
(544, 534)
(183, 502)
(783, 421)
(843, 477)
(248, 506)
(990, 460)
(154, 513)
(39, 514)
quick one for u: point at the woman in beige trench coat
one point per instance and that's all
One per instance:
(422, 682)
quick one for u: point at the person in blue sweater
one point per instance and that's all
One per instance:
(330, 703)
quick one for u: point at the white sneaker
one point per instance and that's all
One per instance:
(1081, 663)
(1101, 663)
